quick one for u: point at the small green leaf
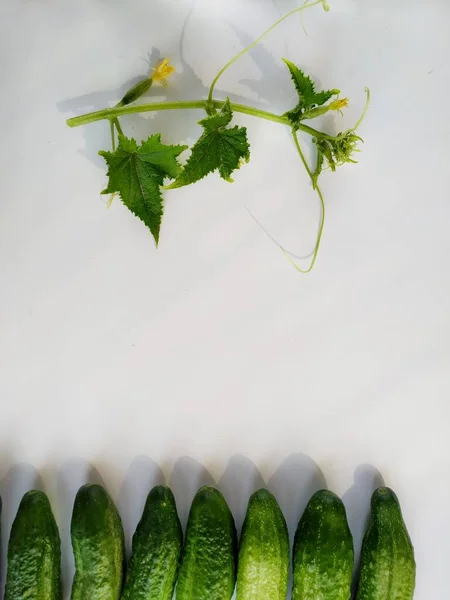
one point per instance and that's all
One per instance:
(308, 98)
(137, 174)
(218, 148)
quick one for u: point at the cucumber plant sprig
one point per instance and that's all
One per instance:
(138, 172)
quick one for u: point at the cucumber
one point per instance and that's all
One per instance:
(98, 546)
(34, 552)
(208, 561)
(323, 551)
(156, 549)
(263, 566)
(388, 569)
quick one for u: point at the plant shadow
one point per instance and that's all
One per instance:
(240, 479)
(142, 475)
(356, 499)
(274, 85)
(294, 482)
(186, 478)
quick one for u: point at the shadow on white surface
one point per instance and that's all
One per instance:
(273, 86)
(293, 484)
(240, 479)
(142, 475)
(187, 476)
(357, 504)
(19, 479)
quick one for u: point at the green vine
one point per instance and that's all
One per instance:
(138, 173)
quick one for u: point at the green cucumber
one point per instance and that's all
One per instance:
(98, 546)
(208, 561)
(34, 552)
(323, 551)
(388, 569)
(156, 549)
(263, 566)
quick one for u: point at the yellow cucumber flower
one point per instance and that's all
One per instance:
(338, 104)
(162, 71)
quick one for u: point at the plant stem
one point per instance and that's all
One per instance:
(113, 134)
(110, 113)
(115, 120)
(322, 212)
(113, 113)
(302, 156)
(255, 43)
(114, 123)
(366, 107)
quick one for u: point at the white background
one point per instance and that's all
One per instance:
(211, 358)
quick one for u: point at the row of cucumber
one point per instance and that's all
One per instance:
(209, 565)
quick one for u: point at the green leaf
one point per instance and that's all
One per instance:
(218, 148)
(308, 98)
(137, 174)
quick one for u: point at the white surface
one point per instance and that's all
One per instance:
(212, 355)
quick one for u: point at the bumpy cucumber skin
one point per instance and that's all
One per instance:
(208, 561)
(34, 552)
(388, 569)
(98, 546)
(263, 566)
(156, 550)
(323, 551)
